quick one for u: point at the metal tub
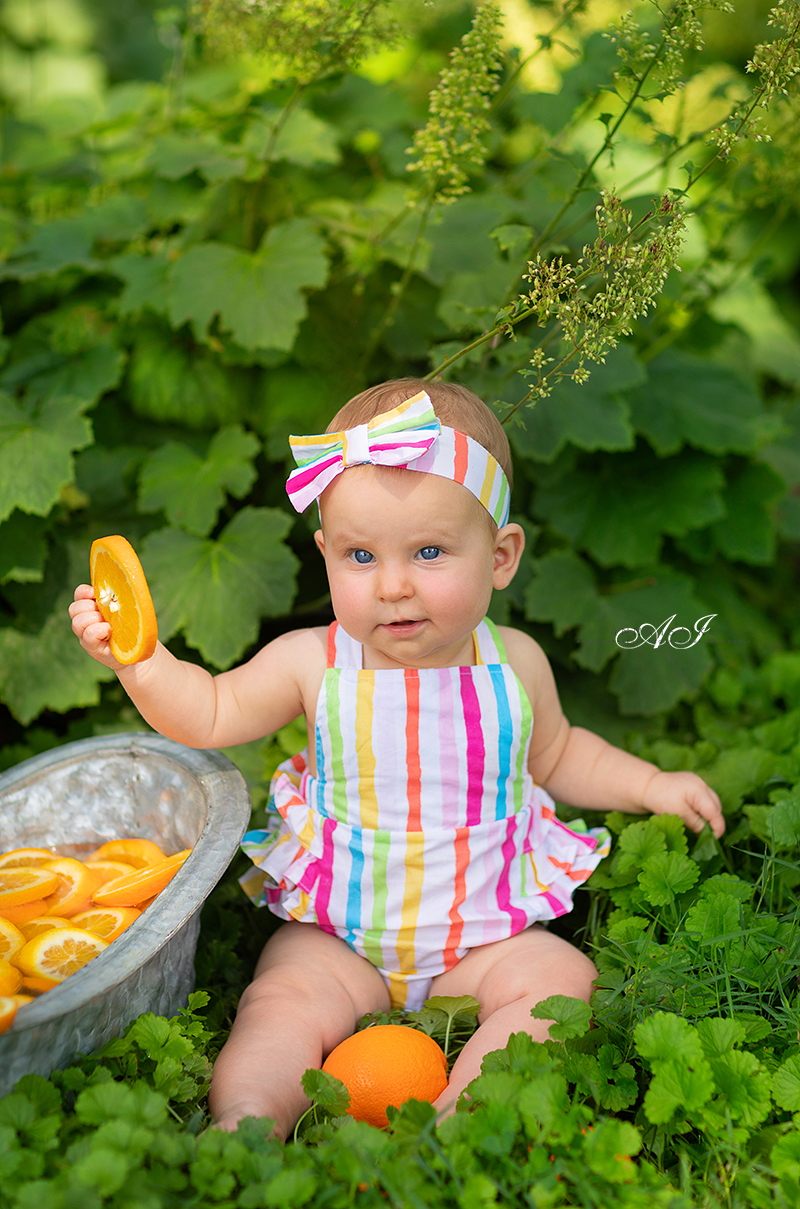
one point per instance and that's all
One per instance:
(74, 798)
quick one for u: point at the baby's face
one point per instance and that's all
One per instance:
(411, 561)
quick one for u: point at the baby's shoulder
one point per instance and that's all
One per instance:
(298, 657)
(525, 656)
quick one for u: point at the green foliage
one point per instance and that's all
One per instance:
(193, 270)
(190, 271)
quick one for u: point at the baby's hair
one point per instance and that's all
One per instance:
(455, 406)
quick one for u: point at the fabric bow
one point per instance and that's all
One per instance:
(393, 438)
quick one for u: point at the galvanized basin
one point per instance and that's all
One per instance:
(75, 797)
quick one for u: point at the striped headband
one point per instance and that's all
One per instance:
(409, 437)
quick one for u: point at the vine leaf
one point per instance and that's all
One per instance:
(646, 678)
(775, 343)
(257, 296)
(690, 400)
(37, 444)
(48, 670)
(572, 1016)
(303, 139)
(190, 489)
(747, 532)
(170, 382)
(217, 590)
(23, 548)
(176, 155)
(672, 496)
(594, 415)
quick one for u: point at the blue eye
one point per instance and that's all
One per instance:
(429, 553)
(362, 556)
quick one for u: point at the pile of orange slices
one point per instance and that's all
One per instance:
(57, 913)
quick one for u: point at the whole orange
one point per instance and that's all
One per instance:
(387, 1064)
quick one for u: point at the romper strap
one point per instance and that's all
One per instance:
(489, 646)
(343, 651)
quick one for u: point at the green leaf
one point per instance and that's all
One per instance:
(776, 345)
(672, 496)
(257, 296)
(563, 591)
(720, 1034)
(666, 875)
(461, 238)
(690, 400)
(786, 1084)
(68, 242)
(638, 843)
(104, 1169)
(653, 670)
(608, 1149)
(303, 138)
(785, 1158)
(327, 1091)
(677, 1086)
(740, 770)
(172, 382)
(22, 548)
(217, 591)
(592, 416)
(175, 155)
(743, 1085)
(146, 282)
(572, 1016)
(36, 451)
(191, 490)
(717, 919)
(48, 670)
(665, 1034)
(747, 532)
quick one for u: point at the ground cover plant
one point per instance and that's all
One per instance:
(590, 221)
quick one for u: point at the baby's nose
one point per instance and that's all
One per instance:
(395, 582)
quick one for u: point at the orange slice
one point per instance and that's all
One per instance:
(34, 985)
(8, 1010)
(106, 922)
(24, 884)
(143, 884)
(24, 911)
(25, 856)
(106, 870)
(58, 953)
(75, 886)
(11, 940)
(10, 978)
(136, 852)
(123, 598)
(42, 923)
(143, 906)
(21, 1000)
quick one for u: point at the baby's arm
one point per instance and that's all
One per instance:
(186, 703)
(581, 769)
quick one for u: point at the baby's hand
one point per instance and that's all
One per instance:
(88, 625)
(688, 796)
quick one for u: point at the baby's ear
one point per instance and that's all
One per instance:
(320, 540)
(508, 547)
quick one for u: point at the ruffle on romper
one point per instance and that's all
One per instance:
(287, 854)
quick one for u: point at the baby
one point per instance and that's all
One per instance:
(414, 850)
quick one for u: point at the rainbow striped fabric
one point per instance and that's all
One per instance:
(422, 834)
(408, 437)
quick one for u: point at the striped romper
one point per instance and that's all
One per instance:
(422, 834)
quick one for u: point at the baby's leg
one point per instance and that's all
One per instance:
(309, 992)
(508, 978)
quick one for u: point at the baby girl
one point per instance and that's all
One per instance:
(414, 850)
